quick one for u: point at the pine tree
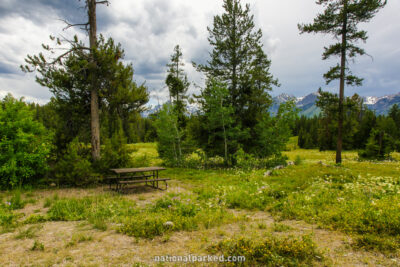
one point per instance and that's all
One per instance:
(40, 62)
(340, 19)
(177, 83)
(237, 59)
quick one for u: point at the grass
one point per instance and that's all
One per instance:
(28, 233)
(360, 199)
(271, 251)
(37, 246)
(79, 238)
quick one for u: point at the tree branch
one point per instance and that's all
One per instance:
(69, 25)
(103, 2)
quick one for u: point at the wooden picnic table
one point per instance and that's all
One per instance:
(147, 175)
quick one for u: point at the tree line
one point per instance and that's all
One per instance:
(96, 105)
(374, 136)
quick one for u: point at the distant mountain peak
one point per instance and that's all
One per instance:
(307, 106)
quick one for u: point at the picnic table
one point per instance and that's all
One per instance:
(148, 176)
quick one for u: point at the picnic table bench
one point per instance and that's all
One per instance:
(148, 176)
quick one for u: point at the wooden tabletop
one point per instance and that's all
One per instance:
(131, 170)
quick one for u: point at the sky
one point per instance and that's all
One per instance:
(148, 30)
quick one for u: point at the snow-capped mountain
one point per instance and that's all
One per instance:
(306, 104)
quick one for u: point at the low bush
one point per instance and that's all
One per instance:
(272, 251)
(74, 168)
(37, 246)
(247, 161)
(385, 244)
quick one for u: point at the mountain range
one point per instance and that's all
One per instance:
(308, 108)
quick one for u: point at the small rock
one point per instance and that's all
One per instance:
(268, 173)
(279, 167)
(169, 224)
(53, 185)
(290, 163)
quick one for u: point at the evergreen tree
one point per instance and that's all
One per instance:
(177, 83)
(119, 96)
(219, 118)
(238, 60)
(341, 18)
(43, 65)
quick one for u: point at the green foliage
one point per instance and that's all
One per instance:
(24, 144)
(35, 218)
(247, 161)
(75, 168)
(8, 220)
(379, 145)
(273, 133)
(115, 153)
(169, 136)
(79, 238)
(173, 214)
(37, 246)
(385, 244)
(69, 80)
(177, 84)
(16, 201)
(279, 227)
(28, 233)
(237, 59)
(340, 19)
(271, 251)
(298, 160)
(223, 135)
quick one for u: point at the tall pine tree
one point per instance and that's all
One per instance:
(238, 60)
(177, 83)
(340, 19)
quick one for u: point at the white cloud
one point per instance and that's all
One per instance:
(149, 29)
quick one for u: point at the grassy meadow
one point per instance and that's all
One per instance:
(311, 213)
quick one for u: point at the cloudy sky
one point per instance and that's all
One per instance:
(149, 29)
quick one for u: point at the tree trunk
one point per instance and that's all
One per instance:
(94, 101)
(342, 80)
(225, 138)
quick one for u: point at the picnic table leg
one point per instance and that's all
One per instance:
(157, 179)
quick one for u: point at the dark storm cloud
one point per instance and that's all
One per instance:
(6, 68)
(148, 30)
(41, 10)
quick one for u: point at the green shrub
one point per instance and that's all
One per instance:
(298, 160)
(24, 144)
(37, 246)
(16, 201)
(75, 168)
(380, 243)
(272, 251)
(35, 218)
(115, 153)
(8, 220)
(69, 209)
(247, 161)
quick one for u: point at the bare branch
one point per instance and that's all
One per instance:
(103, 2)
(69, 25)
